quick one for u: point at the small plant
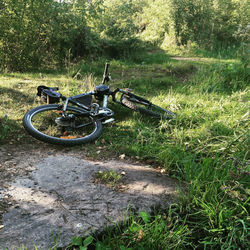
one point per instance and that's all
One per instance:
(109, 178)
(82, 244)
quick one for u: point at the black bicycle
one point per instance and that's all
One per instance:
(77, 119)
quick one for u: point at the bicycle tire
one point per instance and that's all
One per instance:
(48, 124)
(145, 107)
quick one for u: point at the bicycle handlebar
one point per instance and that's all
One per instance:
(105, 74)
(106, 69)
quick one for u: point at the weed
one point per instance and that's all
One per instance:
(82, 244)
(109, 178)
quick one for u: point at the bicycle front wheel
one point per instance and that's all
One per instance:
(144, 106)
(44, 124)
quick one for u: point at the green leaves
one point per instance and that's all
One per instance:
(82, 244)
(77, 241)
(145, 216)
(88, 241)
(35, 32)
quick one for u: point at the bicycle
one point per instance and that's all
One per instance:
(82, 121)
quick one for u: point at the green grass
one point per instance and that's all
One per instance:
(110, 178)
(205, 146)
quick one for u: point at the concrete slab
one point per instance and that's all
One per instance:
(59, 200)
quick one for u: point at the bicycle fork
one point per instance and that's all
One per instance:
(104, 105)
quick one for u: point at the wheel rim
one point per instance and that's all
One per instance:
(43, 121)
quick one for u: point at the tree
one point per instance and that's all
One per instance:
(36, 32)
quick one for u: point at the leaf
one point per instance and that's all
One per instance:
(123, 173)
(145, 216)
(122, 157)
(77, 241)
(88, 241)
(134, 228)
(100, 246)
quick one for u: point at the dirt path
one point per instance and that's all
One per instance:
(193, 59)
(48, 195)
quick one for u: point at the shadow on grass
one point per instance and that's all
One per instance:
(16, 96)
(12, 103)
(9, 130)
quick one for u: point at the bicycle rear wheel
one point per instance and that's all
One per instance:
(144, 106)
(45, 123)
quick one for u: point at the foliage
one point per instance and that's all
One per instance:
(113, 20)
(155, 21)
(207, 23)
(35, 33)
(82, 244)
(27, 40)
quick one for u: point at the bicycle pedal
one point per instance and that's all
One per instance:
(109, 120)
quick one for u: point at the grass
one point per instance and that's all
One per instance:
(110, 178)
(205, 146)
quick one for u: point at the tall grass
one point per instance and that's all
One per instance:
(206, 146)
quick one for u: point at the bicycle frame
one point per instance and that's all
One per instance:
(101, 92)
